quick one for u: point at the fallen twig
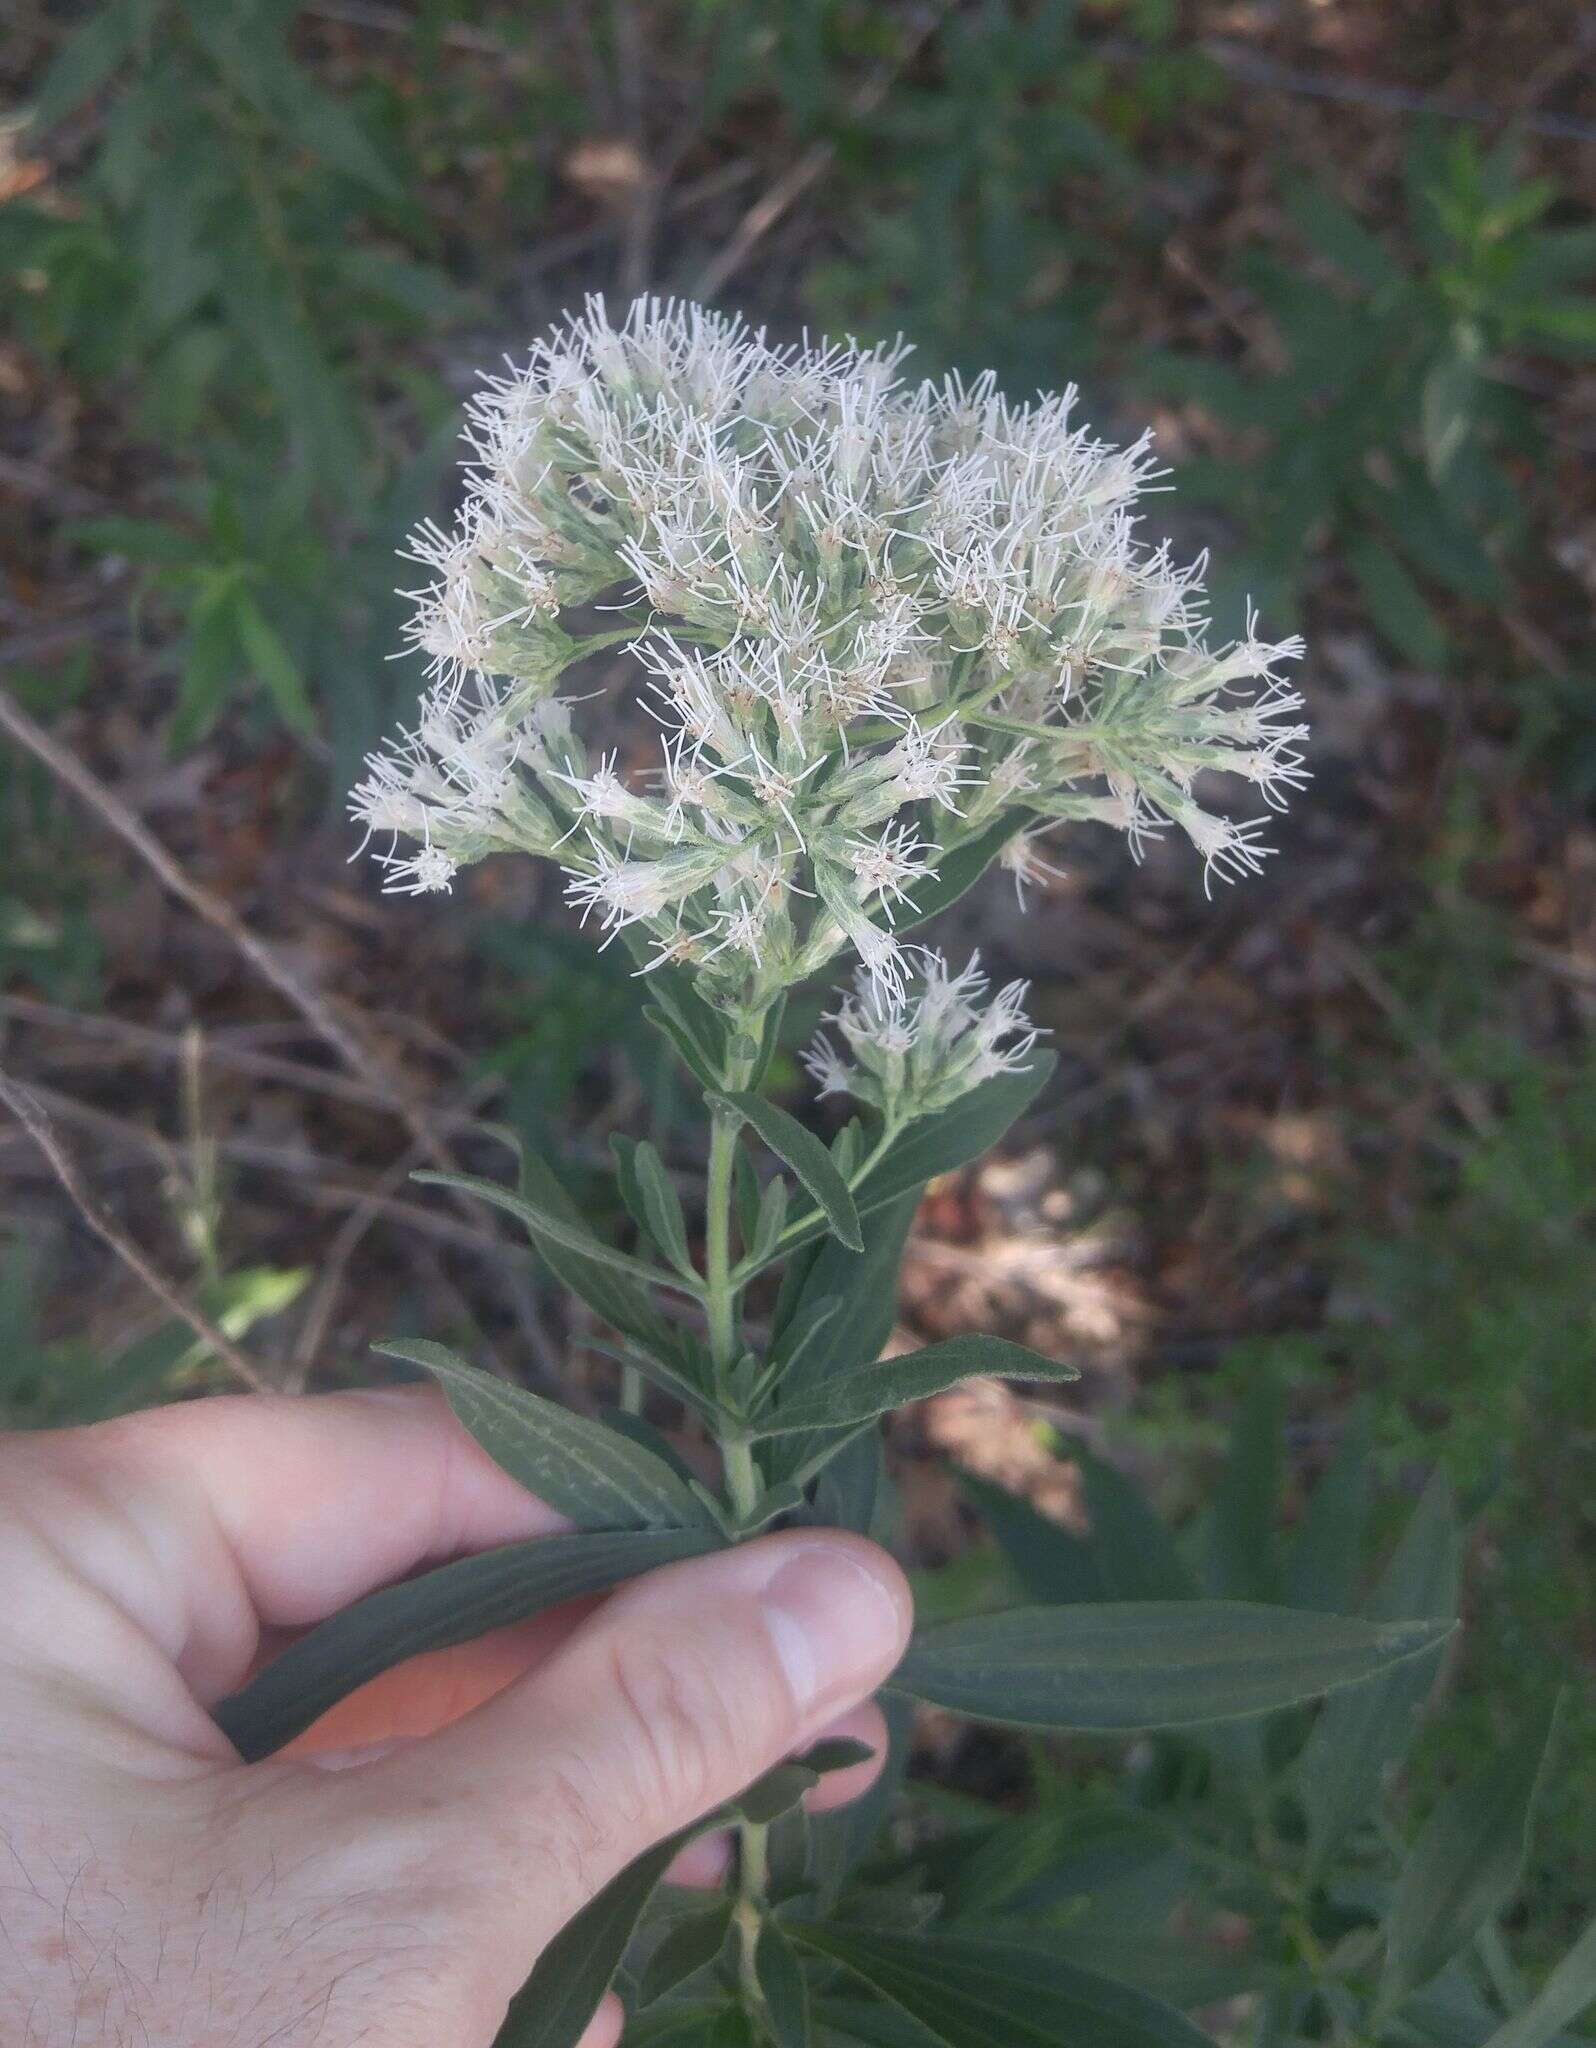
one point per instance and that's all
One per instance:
(811, 166)
(33, 1120)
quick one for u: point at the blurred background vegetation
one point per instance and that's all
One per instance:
(1333, 1135)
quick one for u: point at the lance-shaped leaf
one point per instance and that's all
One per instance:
(1328, 1549)
(1464, 1868)
(970, 1993)
(870, 2023)
(957, 872)
(1240, 1563)
(1360, 1735)
(1148, 1664)
(662, 1207)
(695, 2023)
(808, 1158)
(1049, 1563)
(889, 1382)
(598, 1477)
(946, 1141)
(454, 1604)
(852, 1297)
(1135, 1553)
(546, 1227)
(1566, 1995)
(953, 1137)
(553, 2007)
(692, 1945)
(786, 1995)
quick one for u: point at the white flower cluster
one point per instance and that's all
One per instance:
(913, 1053)
(876, 622)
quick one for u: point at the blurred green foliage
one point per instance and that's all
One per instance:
(1386, 431)
(50, 1382)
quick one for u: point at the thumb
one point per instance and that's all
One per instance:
(668, 1701)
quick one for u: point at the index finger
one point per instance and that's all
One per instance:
(211, 1520)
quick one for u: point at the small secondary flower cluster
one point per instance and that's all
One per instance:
(916, 1052)
(876, 622)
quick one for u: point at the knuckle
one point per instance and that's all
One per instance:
(682, 1734)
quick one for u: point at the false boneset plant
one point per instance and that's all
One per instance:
(888, 634)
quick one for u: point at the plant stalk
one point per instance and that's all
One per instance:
(742, 1477)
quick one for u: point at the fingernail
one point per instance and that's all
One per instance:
(837, 1620)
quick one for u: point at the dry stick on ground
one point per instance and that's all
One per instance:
(143, 1041)
(84, 783)
(362, 1059)
(813, 164)
(314, 1175)
(34, 1121)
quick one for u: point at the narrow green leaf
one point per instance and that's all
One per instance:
(848, 1465)
(780, 1789)
(769, 1221)
(553, 2007)
(966, 1130)
(975, 1994)
(1181, 1972)
(700, 2023)
(624, 1152)
(692, 1945)
(1396, 603)
(1464, 1867)
(1359, 1736)
(889, 1382)
(786, 1995)
(957, 872)
(1241, 1526)
(687, 1048)
(85, 61)
(1135, 1553)
(745, 1196)
(619, 1300)
(835, 1320)
(274, 666)
(807, 1157)
(601, 1479)
(860, 2023)
(1323, 1570)
(1148, 1664)
(1050, 1564)
(839, 1840)
(697, 1032)
(572, 1237)
(663, 1208)
(1567, 1995)
(454, 1604)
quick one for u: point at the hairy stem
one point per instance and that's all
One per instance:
(720, 1300)
(743, 1485)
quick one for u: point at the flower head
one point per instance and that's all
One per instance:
(877, 620)
(910, 1053)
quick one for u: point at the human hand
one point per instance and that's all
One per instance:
(396, 1889)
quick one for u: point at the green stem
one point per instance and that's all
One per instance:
(720, 1297)
(753, 1881)
(742, 1475)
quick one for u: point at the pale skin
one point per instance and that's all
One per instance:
(390, 1880)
